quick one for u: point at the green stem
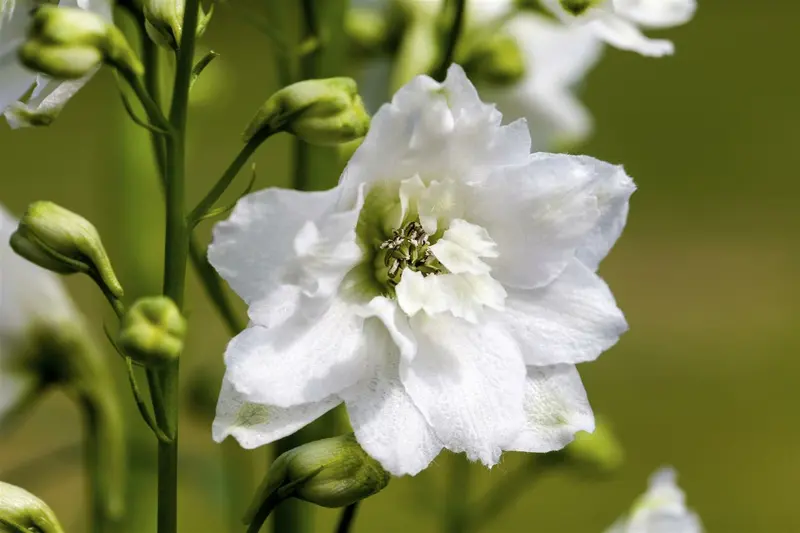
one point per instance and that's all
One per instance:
(457, 505)
(175, 257)
(347, 518)
(104, 463)
(227, 177)
(458, 8)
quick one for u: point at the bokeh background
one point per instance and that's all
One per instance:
(706, 272)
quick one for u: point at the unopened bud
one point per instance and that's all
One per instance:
(368, 31)
(164, 21)
(332, 472)
(152, 331)
(498, 60)
(68, 43)
(323, 112)
(22, 511)
(59, 240)
(601, 451)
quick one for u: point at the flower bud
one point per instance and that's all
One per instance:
(68, 43)
(368, 32)
(600, 450)
(152, 331)
(323, 112)
(22, 511)
(59, 240)
(332, 472)
(163, 21)
(498, 60)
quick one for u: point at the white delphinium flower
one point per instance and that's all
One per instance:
(662, 509)
(444, 290)
(49, 96)
(618, 22)
(32, 302)
(556, 58)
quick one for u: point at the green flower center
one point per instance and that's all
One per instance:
(409, 247)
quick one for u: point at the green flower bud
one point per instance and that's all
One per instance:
(600, 450)
(498, 60)
(323, 112)
(59, 240)
(152, 331)
(367, 31)
(164, 21)
(69, 43)
(22, 511)
(332, 472)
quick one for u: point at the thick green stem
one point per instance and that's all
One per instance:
(456, 518)
(458, 9)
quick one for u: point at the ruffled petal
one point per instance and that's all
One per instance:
(436, 130)
(538, 214)
(312, 355)
(468, 381)
(253, 248)
(556, 408)
(386, 422)
(254, 425)
(571, 320)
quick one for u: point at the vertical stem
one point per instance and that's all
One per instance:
(457, 506)
(175, 256)
(347, 518)
(458, 8)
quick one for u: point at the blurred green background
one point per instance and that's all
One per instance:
(706, 272)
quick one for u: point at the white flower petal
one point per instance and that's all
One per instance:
(571, 320)
(46, 102)
(438, 131)
(556, 408)
(416, 293)
(656, 13)
(625, 35)
(307, 358)
(662, 509)
(386, 422)
(252, 248)
(395, 321)
(254, 424)
(462, 247)
(468, 382)
(538, 214)
(612, 188)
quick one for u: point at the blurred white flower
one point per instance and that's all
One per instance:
(444, 290)
(618, 21)
(32, 300)
(49, 96)
(662, 509)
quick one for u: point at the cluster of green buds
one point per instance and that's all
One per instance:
(164, 21)
(496, 59)
(324, 112)
(61, 241)
(69, 43)
(332, 472)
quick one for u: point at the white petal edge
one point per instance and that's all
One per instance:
(657, 13)
(571, 320)
(468, 381)
(556, 407)
(386, 422)
(254, 425)
(625, 35)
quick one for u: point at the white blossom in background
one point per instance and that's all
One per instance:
(31, 299)
(557, 57)
(444, 290)
(49, 96)
(662, 509)
(619, 22)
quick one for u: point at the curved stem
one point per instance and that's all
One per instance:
(347, 518)
(458, 8)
